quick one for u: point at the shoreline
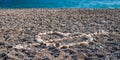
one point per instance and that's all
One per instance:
(59, 9)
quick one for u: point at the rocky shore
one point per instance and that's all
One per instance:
(57, 34)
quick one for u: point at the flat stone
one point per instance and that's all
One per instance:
(2, 43)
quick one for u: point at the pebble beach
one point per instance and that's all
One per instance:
(33, 34)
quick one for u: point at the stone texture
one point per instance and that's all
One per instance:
(19, 26)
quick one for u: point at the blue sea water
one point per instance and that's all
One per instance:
(59, 3)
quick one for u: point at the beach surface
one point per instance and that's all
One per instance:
(59, 34)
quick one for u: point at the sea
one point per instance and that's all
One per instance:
(59, 3)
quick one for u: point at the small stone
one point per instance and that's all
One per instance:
(55, 52)
(110, 39)
(74, 57)
(23, 40)
(91, 43)
(35, 40)
(16, 54)
(84, 38)
(87, 58)
(45, 58)
(9, 46)
(31, 55)
(6, 37)
(27, 53)
(51, 48)
(2, 55)
(2, 43)
(63, 47)
(23, 50)
(29, 42)
(65, 57)
(5, 58)
(16, 49)
(57, 44)
(113, 43)
(69, 51)
(99, 55)
(117, 54)
(41, 46)
(115, 48)
(38, 46)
